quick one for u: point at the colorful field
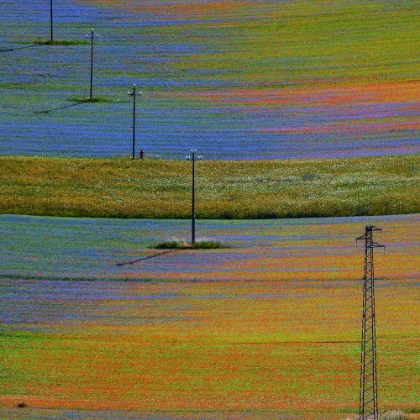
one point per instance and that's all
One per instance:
(268, 328)
(235, 79)
(94, 322)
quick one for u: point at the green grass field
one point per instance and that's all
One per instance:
(154, 188)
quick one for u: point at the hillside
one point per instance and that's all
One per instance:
(235, 79)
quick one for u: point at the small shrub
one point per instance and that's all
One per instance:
(414, 410)
(393, 415)
(310, 177)
(387, 415)
(207, 244)
(94, 99)
(174, 244)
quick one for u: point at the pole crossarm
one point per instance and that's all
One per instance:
(367, 237)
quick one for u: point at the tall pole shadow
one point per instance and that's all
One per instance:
(19, 48)
(145, 258)
(47, 111)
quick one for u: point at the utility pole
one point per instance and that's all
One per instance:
(91, 65)
(368, 402)
(134, 94)
(51, 22)
(193, 157)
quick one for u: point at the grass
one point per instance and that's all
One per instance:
(269, 328)
(234, 79)
(67, 248)
(387, 415)
(157, 188)
(62, 42)
(95, 99)
(302, 41)
(180, 244)
(393, 415)
(238, 347)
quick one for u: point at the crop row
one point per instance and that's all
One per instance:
(156, 188)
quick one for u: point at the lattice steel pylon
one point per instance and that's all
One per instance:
(368, 403)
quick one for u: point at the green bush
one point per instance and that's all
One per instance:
(181, 244)
(175, 244)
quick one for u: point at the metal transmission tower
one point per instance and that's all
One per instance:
(368, 403)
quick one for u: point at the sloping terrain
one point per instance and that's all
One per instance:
(236, 79)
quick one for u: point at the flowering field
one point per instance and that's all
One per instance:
(236, 79)
(95, 323)
(161, 188)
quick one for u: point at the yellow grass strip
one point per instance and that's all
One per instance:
(158, 188)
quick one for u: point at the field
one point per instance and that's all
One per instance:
(307, 115)
(158, 188)
(235, 79)
(96, 323)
